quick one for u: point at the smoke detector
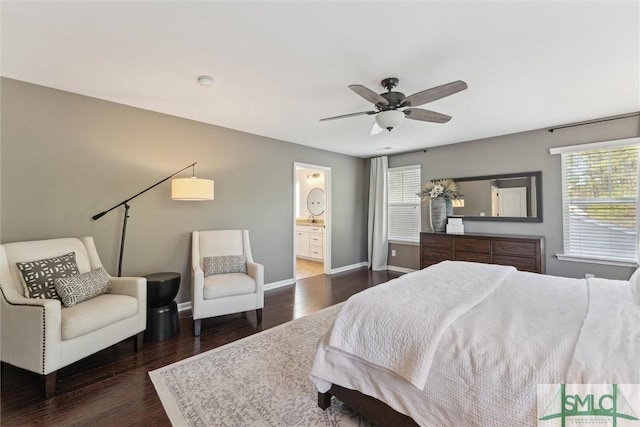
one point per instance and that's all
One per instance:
(205, 81)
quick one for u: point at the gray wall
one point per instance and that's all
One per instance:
(406, 256)
(522, 152)
(66, 157)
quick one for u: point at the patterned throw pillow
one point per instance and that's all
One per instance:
(81, 287)
(39, 275)
(225, 264)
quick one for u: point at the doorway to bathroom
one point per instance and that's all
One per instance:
(311, 225)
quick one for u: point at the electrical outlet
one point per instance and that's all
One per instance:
(589, 276)
(393, 252)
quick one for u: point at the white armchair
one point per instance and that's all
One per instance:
(220, 294)
(42, 335)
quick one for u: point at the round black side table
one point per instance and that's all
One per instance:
(162, 310)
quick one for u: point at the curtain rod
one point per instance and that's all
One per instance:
(595, 121)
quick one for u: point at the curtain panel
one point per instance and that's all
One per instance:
(377, 226)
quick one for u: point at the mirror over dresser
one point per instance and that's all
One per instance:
(514, 197)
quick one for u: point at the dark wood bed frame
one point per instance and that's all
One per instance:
(370, 408)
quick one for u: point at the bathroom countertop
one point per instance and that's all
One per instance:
(307, 223)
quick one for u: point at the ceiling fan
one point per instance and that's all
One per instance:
(391, 107)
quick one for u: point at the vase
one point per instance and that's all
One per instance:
(439, 209)
(449, 204)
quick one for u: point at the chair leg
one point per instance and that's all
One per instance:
(49, 384)
(138, 341)
(259, 316)
(197, 327)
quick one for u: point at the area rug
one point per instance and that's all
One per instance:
(260, 380)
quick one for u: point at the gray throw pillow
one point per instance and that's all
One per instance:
(224, 264)
(39, 275)
(82, 287)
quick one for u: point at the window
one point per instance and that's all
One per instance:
(404, 203)
(599, 201)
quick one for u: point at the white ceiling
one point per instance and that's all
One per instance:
(279, 66)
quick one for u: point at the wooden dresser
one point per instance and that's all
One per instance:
(526, 253)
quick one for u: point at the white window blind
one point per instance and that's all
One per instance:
(404, 204)
(599, 201)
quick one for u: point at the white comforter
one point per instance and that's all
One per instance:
(400, 346)
(608, 351)
(487, 363)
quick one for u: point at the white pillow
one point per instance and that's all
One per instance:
(634, 281)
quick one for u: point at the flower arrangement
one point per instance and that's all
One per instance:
(445, 188)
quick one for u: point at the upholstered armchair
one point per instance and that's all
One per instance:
(224, 277)
(43, 335)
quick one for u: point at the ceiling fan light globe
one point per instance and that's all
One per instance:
(389, 119)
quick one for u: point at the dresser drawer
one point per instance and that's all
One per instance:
(521, 263)
(504, 247)
(424, 263)
(437, 241)
(436, 254)
(468, 244)
(473, 257)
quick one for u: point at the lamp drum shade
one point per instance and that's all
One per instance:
(194, 189)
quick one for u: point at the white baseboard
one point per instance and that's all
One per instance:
(274, 285)
(287, 282)
(400, 269)
(279, 284)
(182, 306)
(349, 267)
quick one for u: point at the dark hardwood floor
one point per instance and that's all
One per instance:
(112, 387)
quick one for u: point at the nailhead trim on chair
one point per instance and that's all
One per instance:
(44, 323)
(44, 341)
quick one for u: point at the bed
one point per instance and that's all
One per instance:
(466, 344)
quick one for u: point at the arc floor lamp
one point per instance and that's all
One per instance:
(189, 189)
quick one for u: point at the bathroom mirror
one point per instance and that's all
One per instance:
(515, 197)
(315, 201)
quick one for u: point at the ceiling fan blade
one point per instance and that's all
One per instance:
(344, 116)
(368, 94)
(426, 115)
(375, 129)
(434, 93)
